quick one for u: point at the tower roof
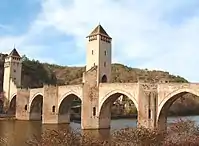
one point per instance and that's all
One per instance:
(99, 30)
(14, 53)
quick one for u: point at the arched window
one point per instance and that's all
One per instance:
(53, 109)
(26, 107)
(94, 111)
(104, 79)
(149, 112)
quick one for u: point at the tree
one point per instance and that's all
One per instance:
(24, 58)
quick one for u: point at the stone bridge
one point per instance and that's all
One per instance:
(52, 103)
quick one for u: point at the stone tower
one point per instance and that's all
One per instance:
(12, 74)
(99, 54)
(98, 70)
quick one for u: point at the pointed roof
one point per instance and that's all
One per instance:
(14, 53)
(99, 30)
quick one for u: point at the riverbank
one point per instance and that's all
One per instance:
(131, 116)
(7, 117)
(113, 117)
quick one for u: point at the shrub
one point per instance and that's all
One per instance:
(181, 133)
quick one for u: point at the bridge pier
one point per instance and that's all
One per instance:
(89, 113)
(90, 108)
(22, 104)
(50, 109)
(50, 119)
(64, 119)
(147, 106)
(35, 116)
(162, 123)
(162, 118)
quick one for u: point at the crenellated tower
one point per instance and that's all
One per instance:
(98, 70)
(12, 73)
(99, 54)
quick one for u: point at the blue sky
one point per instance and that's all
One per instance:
(155, 34)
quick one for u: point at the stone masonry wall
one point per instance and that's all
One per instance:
(50, 101)
(90, 100)
(147, 105)
(22, 104)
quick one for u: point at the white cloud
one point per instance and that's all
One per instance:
(138, 28)
(5, 27)
(141, 30)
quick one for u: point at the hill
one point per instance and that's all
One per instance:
(36, 74)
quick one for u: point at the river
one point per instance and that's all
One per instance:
(17, 132)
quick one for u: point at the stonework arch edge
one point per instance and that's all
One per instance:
(13, 95)
(171, 95)
(33, 97)
(129, 95)
(67, 95)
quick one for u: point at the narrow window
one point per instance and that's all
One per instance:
(94, 111)
(26, 107)
(149, 114)
(94, 64)
(92, 52)
(104, 64)
(14, 70)
(53, 109)
(105, 53)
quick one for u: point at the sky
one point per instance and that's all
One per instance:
(152, 34)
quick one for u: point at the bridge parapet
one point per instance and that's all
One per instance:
(63, 91)
(148, 86)
(113, 85)
(70, 86)
(165, 89)
(35, 91)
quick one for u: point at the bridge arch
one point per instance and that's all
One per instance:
(33, 97)
(166, 103)
(36, 106)
(12, 104)
(65, 104)
(106, 103)
(13, 95)
(121, 92)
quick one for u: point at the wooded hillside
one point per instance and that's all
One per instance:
(35, 74)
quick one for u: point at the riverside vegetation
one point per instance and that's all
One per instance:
(181, 133)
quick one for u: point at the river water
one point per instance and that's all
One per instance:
(17, 132)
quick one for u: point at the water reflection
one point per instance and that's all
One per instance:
(17, 133)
